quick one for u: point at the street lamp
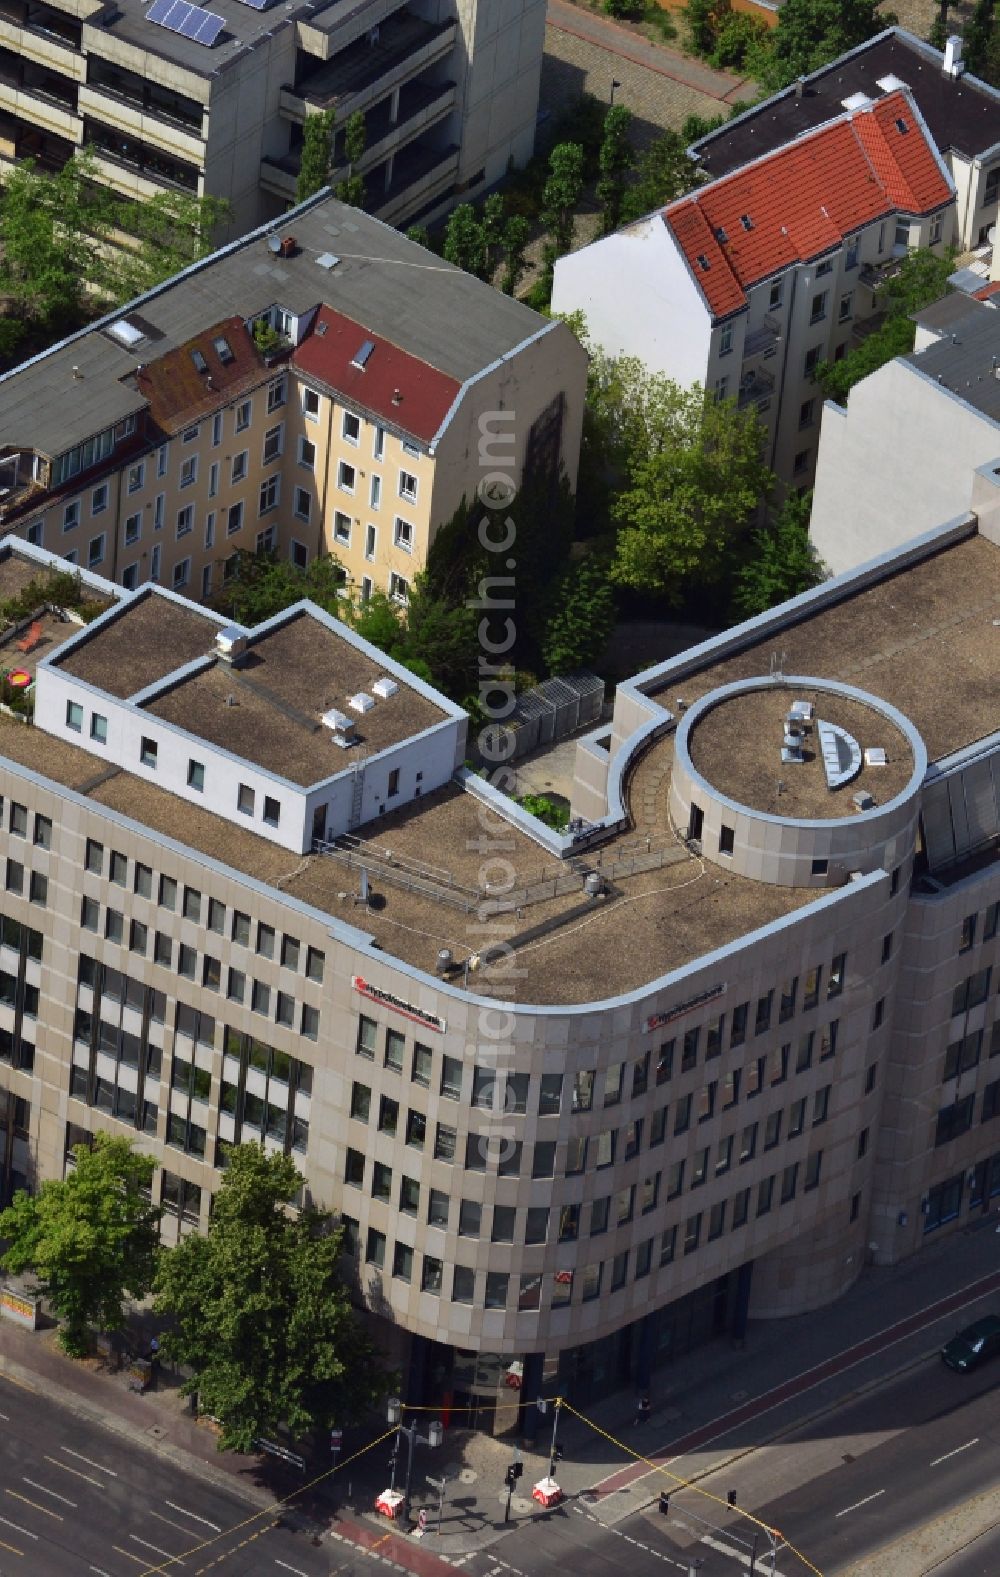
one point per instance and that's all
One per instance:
(614, 84)
(433, 1438)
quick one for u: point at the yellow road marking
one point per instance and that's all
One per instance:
(140, 1560)
(43, 1509)
(11, 1547)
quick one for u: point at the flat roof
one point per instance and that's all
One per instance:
(148, 639)
(965, 359)
(243, 27)
(923, 639)
(269, 709)
(962, 113)
(736, 747)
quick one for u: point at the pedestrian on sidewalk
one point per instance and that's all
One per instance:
(642, 1411)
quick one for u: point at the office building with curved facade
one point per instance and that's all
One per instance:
(581, 1099)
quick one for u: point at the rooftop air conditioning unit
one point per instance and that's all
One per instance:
(361, 702)
(862, 800)
(384, 688)
(230, 644)
(341, 727)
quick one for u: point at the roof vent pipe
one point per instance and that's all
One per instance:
(953, 64)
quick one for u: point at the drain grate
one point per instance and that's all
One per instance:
(157, 1431)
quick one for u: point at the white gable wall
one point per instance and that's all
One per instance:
(636, 292)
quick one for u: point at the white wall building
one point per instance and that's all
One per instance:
(900, 456)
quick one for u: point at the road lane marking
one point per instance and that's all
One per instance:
(17, 1527)
(192, 1514)
(858, 1503)
(954, 1453)
(76, 1472)
(12, 1547)
(5, 1417)
(295, 1569)
(44, 1490)
(57, 1516)
(140, 1560)
(174, 1559)
(89, 1461)
(168, 1520)
(736, 1555)
(100, 1572)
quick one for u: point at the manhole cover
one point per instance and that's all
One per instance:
(467, 1476)
(739, 1396)
(157, 1431)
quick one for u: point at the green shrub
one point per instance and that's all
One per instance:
(544, 809)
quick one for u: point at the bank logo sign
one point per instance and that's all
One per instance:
(397, 1005)
(657, 1020)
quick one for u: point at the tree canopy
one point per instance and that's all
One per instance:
(922, 277)
(62, 252)
(260, 1314)
(783, 562)
(617, 157)
(809, 34)
(314, 164)
(90, 1239)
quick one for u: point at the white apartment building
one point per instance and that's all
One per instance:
(154, 443)
(581, 1100)
(748, 283)
(180, 97)
(960, 112)
(901, 455)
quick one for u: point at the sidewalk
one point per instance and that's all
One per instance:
(625, 45)
(714, 1405)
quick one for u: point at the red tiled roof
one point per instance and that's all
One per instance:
(806, 197)
(179, 394)
(407, 392)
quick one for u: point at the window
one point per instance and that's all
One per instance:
(270, 492)
(762, 1020)
(817, 311)
(375, 1249)
(901, 238)
(276, 394)
(38, 888)
(341, 527)
(970, 992)
(182, 574)
(765, 1195)
(90, 914)
(399, 589)
(310, 405)
(721, 387)
(871, 1078)
(835, 982)
(878, 1014)
(774, 299)
(241, 466)
(543, 1158)
(196, 776)
(119, 868)
(801, 462)
(408, 486)
(992, 922)
(852, 247)
(99, 499)
(189, 471)
(451, 1078)
(133, 529)
(738, 1028)
(346, 476)
(375, 492)
(234, 519)
(812, 358)
(954, 1120)
(726, 339)
(99, 728)
(136, 476)
(727, 840)
(846, 309)
(821, 1105)
(74, 716)
(402, 535)
(303, 503)
(807, 413)
(315, 963)
(378, 443)
(351, 428)
(967, 936)
(748, 1143)
(273, 443)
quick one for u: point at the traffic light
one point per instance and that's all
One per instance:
(664, 1503)
(557, 1453)
(514, 1472)
(731, 1498)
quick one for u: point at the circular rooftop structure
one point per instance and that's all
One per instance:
(799, 751)
(797, 781)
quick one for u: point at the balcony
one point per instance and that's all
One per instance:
(763, 340)
(755, 387)
(19, 139)
(419, 176)
(363, 73)
(875, 274)
(343, 23)
(137, 121)
(39, 34)
(38, 97)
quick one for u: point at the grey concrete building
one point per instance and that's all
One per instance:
(582, 1099)
(176, 97)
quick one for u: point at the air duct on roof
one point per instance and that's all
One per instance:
(857, 101)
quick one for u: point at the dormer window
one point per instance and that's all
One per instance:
(200, 364)
(703, 263)
(720, 235)
(222, 349)
(746, 221)
(901, 125)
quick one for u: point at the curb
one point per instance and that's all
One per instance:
(178, 1456)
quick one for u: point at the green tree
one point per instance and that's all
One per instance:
(352, 188)
(168, 232)
(259, 585)
(516, 231)
(464, 241)
(694, 476)
(90, 1240)
(443, 634)
(561, 196)
(922, 277)
(420, 234)
(809, 34)
(783, 563)
(701, 23)
(616, 158)
(317, 141)
(582, 617)
(260, 1314)
(663, 171)
(492, 222)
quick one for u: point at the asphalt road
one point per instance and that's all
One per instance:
(851, 1484)
(76, 1500)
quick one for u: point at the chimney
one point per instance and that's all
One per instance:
(800, 87)
(953, 64)
(288, 246)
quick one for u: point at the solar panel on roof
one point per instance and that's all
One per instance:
(191, 21)
(258, 5)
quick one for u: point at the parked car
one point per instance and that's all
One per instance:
(974, 1345)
